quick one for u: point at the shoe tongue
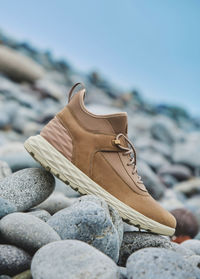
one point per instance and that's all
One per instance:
(119, 123)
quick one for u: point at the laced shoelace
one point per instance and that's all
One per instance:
(129, 151)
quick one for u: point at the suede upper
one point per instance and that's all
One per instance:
(88, 141)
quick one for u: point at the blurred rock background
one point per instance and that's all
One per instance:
(150, 47)
(34, 86)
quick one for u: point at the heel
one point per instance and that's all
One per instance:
(59, 137)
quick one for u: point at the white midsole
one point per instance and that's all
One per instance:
(49, 157)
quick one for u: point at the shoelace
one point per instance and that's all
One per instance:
(129, 151)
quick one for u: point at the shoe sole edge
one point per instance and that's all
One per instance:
(52, 160)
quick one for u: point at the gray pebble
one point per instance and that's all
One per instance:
(186, 253)
(134, 241)
(188, 187)
(197, 237)
(72, 259)
(26, 231)
(193, 203)
(4, 170)
(27, 188)
(13, 260)
(5, 277)
(154, 159)
(151, 180)
(192, 244)
(157, 263)
(194, 260)
(16, 156)
(55, 202)
(88, 219)
(18, 66)
(129, 228)
(123, 272)
(163, 129)
(117, 222)
(187, 153)
(65, 189)
(180, 172)
(168, 180)
(6, 207)
(41, 214)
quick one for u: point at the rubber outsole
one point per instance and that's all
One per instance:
(52, 160)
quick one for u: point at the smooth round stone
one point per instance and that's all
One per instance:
(153, 158)
(157, 263)
(117, 222)
(189, 187)
(112, 212)
(187, 153)
(164, 130)
(192, 244)
(4, 169)
(65, 189)
(129, 228)
(187, 224)
(171, 204)
(50, 88)
(196, 211)
(170, 194)
(197, 237)
(193, 203)
(24, 275)
(16, 156)
(186, 253)
(13, 260)
(27, 188)
(88, 219)
(6, 207)
(147, 143)
(18, 66)
(5, 277)
(31, 128)
(55, 202)
(168, 180)
(180, 172)
(151, 180)
(26, 117)
(194, 260)
(123, 272)
(172, 200)
(27, 231)
(72, 259)
(134, 241)
(41, 214)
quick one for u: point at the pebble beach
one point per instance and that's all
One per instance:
(48, 230)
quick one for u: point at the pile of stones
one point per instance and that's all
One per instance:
(46, 229)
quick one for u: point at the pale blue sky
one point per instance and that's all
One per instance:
(151, 45)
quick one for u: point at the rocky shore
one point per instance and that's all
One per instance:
(47, 230)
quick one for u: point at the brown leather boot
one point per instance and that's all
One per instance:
(93, 154)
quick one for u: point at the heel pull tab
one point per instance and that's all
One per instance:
(72, 89)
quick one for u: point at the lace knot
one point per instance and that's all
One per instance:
(129, 151)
